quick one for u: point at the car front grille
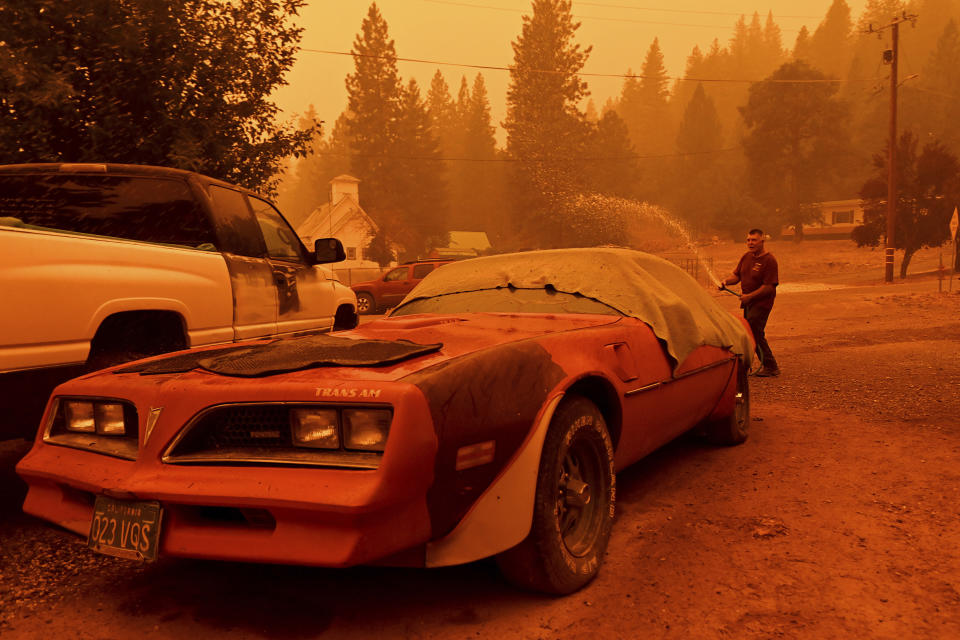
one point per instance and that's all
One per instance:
(256, 434)
(246, 426)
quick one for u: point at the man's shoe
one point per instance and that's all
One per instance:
(767, 372)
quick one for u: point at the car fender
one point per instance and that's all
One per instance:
(343, 295)
(503, 514)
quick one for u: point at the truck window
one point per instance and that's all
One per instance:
(161, 210)
(421, 271)
(236, 226)
(282, 242)
(400, 273)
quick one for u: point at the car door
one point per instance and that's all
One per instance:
(251, 276)
(395, 285)
(305, 292)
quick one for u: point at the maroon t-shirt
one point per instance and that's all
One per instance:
(754, 271)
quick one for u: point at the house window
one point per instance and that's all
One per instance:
(843, 217)
(351, 253)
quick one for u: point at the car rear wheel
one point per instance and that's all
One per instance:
(574, 503)
(733, 429)
(365, 303)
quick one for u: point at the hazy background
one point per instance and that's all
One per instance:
(479, 32)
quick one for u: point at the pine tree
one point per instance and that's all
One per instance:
(546, 132)
(654, 92)
(699, 140)
(481, 179)
(373, 99)
(773, 40)
(831, 45)
(613, 167)
(420, 187)
(934, 111)
(630, 105)
(443, 116)
(801, 47)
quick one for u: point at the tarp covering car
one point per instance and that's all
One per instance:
(634, 283)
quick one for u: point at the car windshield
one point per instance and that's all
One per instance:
(506, 300)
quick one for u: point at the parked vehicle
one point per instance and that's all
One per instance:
(102, 263)
(486, 416)
(393, 285)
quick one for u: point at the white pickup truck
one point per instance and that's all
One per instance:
(103, 263)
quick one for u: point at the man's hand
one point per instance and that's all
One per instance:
(721, 286)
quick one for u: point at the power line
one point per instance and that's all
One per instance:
(599, 18)
(582, 73)
(693, 11)
(383, 156)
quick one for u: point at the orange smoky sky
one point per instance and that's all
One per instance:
(459, 37)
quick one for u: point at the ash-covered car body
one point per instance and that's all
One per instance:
(485, 416)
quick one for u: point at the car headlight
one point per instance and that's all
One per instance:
(366, 429)
(104, 418)
(315, 428)
(79, 417)
(109, 419)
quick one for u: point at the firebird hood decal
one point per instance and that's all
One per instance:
(634, 283)
(287, 354)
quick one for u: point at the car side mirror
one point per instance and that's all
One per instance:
(327, 250)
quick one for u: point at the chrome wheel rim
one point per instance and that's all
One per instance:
(580, 493)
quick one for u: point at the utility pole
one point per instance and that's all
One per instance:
(891, 57)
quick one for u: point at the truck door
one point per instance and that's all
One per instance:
(305, 292)
(255, 298)
(395, 285)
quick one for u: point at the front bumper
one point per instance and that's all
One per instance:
(291, 515)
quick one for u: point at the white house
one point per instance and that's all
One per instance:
(463, 244)
(835, 219)
(342, 218)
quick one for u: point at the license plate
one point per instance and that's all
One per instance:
(125, 528)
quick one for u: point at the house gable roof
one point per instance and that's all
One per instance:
(327, 220)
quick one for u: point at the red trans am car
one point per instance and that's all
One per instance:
(486, 416)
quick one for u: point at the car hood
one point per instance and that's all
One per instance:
(383, 350)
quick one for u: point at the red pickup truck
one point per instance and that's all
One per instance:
(391, 287)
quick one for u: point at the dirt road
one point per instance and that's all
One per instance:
(838, 518)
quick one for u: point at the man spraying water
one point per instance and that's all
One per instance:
(758, 274)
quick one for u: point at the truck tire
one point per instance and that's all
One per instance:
(366, 303)
(345, 318)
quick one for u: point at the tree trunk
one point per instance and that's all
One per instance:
(907, 254)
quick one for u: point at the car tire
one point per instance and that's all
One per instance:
(366, 304)
(574, 504)
(733, 429)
